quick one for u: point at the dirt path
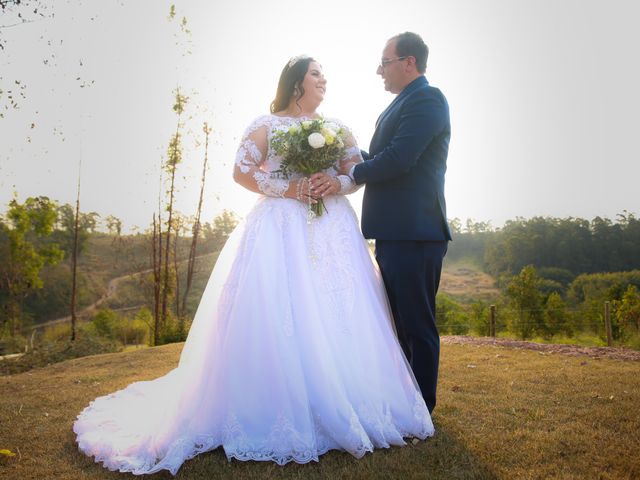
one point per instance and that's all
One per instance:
(574, 350)
(112, 289)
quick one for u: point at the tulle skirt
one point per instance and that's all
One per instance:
(291, 353)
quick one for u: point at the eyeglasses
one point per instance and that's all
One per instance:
(386, 61)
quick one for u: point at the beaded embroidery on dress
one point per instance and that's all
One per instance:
(291, 352)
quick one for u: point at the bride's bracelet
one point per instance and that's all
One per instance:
(299, 188)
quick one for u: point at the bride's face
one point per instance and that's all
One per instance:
(314, 84)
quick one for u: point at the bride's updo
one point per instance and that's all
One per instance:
(290, 82)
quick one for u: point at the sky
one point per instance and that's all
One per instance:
(543, 98)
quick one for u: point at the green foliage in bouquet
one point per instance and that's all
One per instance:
(309, 147)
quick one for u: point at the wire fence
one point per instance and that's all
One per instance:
(494, 321)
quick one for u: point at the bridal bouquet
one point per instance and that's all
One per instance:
(309, 147)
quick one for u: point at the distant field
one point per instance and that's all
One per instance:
(465, 282)
(503, 413)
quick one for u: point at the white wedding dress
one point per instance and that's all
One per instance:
(291, 352)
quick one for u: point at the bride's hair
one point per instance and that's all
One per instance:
(290, 80)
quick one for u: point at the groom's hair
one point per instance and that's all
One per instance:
(409, 44)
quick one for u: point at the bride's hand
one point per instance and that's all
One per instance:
(301, 190)
(323, 185)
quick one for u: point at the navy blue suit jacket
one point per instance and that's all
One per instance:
(404, 169)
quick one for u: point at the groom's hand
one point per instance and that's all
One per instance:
(346, 167)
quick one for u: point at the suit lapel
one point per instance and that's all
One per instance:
(407, 90)
(387, 110)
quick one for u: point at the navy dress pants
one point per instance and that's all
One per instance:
(411, 273)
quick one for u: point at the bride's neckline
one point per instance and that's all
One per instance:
(314, 116)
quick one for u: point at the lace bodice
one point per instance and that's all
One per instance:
(257, 162)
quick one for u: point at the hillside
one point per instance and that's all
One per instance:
(503, 413)
(462, 281)
(466, 282)
(107, 259)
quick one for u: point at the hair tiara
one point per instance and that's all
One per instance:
(296, 59)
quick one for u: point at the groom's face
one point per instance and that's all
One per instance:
(393, 70)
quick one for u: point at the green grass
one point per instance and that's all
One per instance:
(580, 338)
(502, 413)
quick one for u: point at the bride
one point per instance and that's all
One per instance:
(291, 352)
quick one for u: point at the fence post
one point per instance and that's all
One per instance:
(492, 321)
(607, 322)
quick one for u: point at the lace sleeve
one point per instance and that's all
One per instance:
(249, 158)
(352, 155)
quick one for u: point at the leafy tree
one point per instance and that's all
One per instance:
(572, 244)
(64, 234)
(455, 225)
(561, 276)
(450, 316)
(479, 316)
(627, 312)
(25, 254)
(218, 233)
(174, 158)
(471, 242)
(132, 331)
(145, 317)
(556, 319)
(524, 292)
(114, 225)
(104, 322)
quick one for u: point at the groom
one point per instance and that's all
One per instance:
(403, 207)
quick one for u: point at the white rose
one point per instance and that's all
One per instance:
(331, 126)
(316, 140)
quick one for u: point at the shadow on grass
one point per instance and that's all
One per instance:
(440, 457)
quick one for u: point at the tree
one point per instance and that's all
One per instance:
(16, 13)
(74, 260)
(66, 228)
(25, 253)
(104, 322)
(523, 291)
(174, 157)
(114, 225)
(144, 317)
(179, 227)
(450, 316)
(19, 12)
(218, 233)
(479, 318)
(627, 312)
(195, 232)
(555, 316)
(572, 244)
(455, 225)
(156, 267)
(118, 242)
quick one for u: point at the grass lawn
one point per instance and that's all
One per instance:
(503, 413)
